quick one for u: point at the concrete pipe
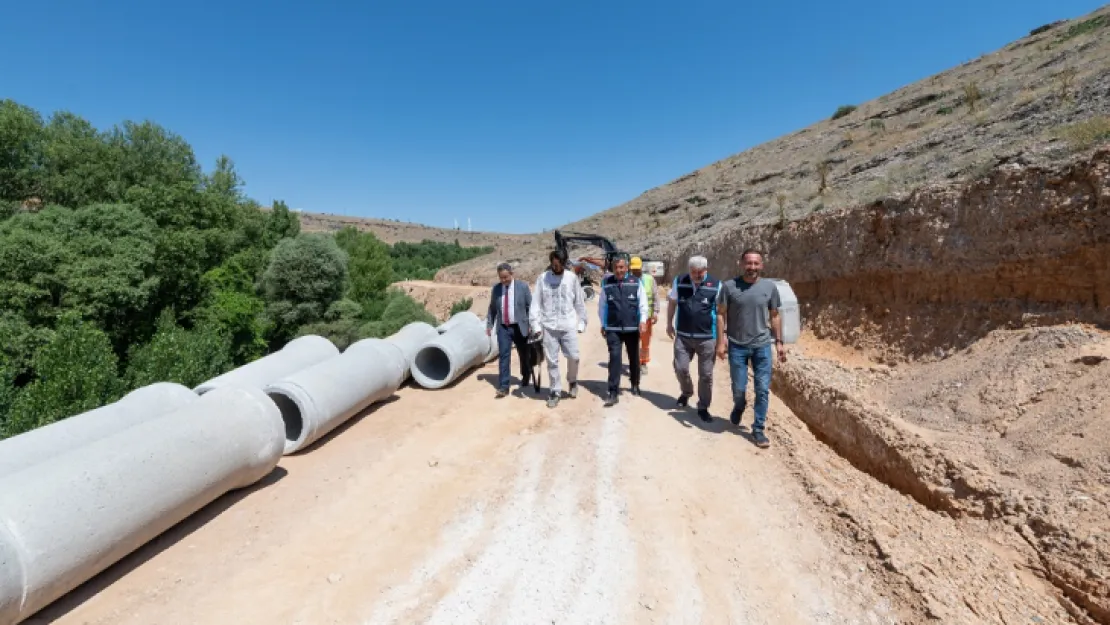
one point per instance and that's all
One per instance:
(454, 352)
(459, 318)
(494, 350)
(316, 400)
(297, 354)
(48, 441)
(66, 519)
(410, 338)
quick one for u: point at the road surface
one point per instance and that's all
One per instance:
(452, 506)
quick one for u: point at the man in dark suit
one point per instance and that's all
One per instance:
(509, 304)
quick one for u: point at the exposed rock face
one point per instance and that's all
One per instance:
(930, 273)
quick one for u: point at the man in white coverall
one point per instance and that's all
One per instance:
(559, 311)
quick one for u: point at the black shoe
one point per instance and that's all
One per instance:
(611, 399)
(704, 414)
(636, 391)
(683, 400)
(761, 440)
(734, 416)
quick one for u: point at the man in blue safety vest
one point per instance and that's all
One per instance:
(623, 310)
(692, 316)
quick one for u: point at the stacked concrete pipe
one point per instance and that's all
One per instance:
(42, 444)
(462, 346)
(68, 518)
(297, 354)
(456, 319)
(316, 400)
(411, 338)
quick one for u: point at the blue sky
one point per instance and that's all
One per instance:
(519, 115)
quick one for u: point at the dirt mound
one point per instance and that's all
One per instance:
(1012, 430)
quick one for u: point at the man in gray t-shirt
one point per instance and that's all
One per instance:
(749, 322)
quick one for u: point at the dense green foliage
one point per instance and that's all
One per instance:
(421, 261)
(124, 263)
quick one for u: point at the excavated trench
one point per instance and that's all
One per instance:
(912, 281)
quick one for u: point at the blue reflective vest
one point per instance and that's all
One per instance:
(696, 314)
(622, 303)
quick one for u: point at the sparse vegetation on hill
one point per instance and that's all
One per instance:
(125, 264)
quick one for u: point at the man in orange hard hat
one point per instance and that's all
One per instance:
(648, 280)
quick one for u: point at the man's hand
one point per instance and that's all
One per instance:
(602, 331)
(670, 331)
(782, 352)
(489, 331)
(722, 351)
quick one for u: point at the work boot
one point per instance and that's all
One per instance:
(553, 400)
(572, 392)
(501, 392)
(611, 399)
(734, 416)
(682, 401)
(704, 414)
(761, 440)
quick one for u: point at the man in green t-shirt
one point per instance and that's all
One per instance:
(748, 316)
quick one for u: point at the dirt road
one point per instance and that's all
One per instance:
(452, 506)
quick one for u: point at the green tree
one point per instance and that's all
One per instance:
(74, 372)
(400, 310)
(174, 354)
(21, 138)
(306, 274)
(370, 265)
(281, 223)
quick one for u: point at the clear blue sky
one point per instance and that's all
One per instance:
(520, 115)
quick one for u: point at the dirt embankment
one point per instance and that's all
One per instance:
(957, 348)
(917, 278)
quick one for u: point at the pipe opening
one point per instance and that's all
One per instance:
(433, 363)
(290, 414)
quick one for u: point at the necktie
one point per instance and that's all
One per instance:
(505, 304)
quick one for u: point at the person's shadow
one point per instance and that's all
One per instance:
(514, 383)
(686, 416)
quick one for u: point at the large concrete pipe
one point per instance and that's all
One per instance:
(494, 350)
(65, 520)
(297, 354)
(315, 400)
(458, 318)
(48, 441)
(411, 338)
(442, 359)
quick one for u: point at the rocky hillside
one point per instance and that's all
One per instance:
(1041, 101)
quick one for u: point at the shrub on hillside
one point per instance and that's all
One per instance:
(843, 110)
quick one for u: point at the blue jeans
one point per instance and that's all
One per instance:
(760, 359)
(507, 336)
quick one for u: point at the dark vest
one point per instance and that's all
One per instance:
(696, 317)
(622, 297)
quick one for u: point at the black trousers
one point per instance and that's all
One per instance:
(631, 342)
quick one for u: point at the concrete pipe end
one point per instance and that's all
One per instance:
(294, 405)
(432, 367)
